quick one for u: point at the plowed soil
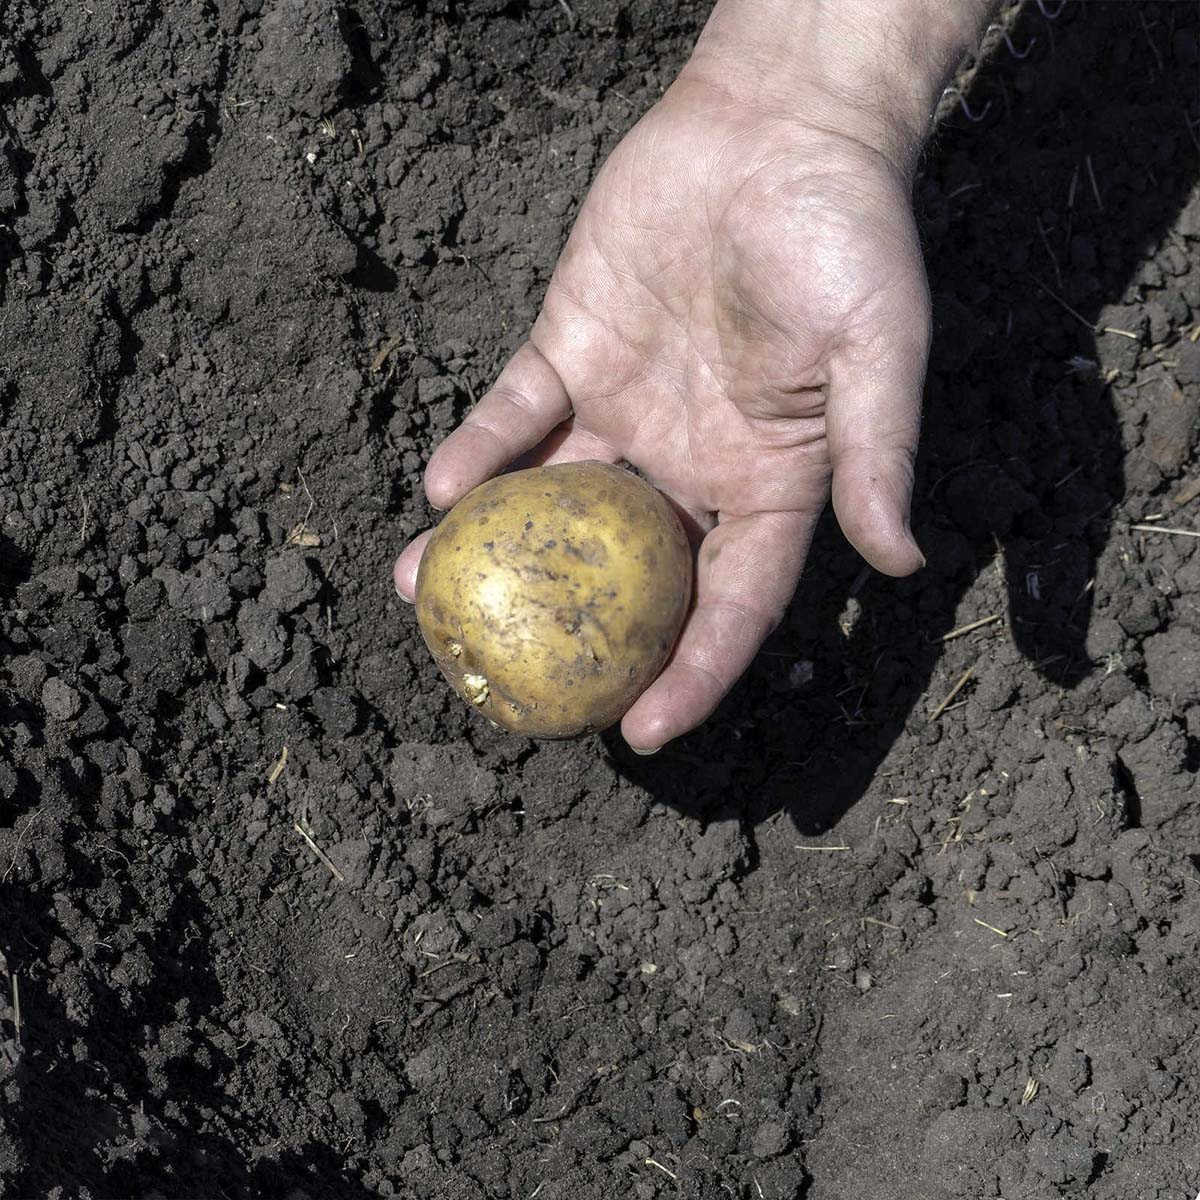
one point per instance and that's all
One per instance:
(280, 917)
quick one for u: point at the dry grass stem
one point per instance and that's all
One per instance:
(1092, 176)
(299, 534)
(386, 349)
(17, 849)
(1167, 529)
(302, 537)
(83, 522)
(999, 932)
(799, 847)
(277, 769)
(1150, 42)
(969, 628)
(1053, 258)
(1063, 304)
(958, 687)
(320, 853)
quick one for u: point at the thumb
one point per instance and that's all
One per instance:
(873, 423)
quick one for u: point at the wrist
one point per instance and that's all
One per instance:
(869, 70)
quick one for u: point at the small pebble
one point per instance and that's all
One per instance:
(60, 700)
(770, 1139)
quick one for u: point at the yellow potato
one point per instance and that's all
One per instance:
(551, 598)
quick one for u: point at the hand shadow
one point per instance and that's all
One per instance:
(1038, 221)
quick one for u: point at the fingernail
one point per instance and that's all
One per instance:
(645, 753)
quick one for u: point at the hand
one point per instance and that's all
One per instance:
(741, 313)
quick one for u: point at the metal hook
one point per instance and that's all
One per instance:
(966, 108)
(1050, 16)
(1018, 54)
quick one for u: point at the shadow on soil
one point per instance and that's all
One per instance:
(1021, 465)
(91, 1109)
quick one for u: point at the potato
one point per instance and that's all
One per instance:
(551, 598)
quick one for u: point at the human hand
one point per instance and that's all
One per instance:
(741, 313)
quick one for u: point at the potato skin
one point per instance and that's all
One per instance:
(551, 598)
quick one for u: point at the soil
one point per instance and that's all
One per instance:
(280, 917)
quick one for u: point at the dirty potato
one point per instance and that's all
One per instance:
(551, 598)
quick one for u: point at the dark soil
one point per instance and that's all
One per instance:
(255, 258)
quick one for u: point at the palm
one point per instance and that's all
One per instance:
(740, 313)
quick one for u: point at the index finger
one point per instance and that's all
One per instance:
(525, 403)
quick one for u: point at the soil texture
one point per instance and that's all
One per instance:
(917, 914)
